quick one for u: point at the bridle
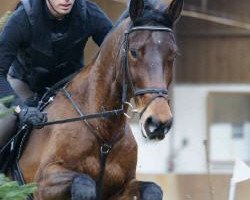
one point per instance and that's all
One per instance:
(160, 92)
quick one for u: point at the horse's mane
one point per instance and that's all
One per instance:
(154, 14)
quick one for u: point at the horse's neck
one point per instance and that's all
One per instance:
(98, 87)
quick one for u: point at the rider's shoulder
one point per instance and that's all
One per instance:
(19, 11)
(19, 16)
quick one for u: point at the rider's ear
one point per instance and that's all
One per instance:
(174, 10)
(136, 8)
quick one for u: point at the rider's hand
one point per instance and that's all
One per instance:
(31, 116)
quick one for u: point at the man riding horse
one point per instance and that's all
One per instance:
(86, 149)
(41, 44)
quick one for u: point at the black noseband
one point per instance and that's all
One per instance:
(150, 91)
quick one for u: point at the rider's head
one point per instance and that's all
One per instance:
(60, 8)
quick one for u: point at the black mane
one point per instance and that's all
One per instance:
(151, 15)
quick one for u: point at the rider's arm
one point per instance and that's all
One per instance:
(11, 39)
(100, 24)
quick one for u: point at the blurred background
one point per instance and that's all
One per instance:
(210, 101)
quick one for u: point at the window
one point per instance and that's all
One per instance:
(228, 129)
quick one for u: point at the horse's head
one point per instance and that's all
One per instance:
(151, 51)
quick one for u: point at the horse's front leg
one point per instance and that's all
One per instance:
(57, 182)
(150, 190)
(139, 190)
(83, 188)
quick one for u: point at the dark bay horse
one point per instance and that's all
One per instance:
(135, 61)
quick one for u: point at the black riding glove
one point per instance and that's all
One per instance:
(31, 116)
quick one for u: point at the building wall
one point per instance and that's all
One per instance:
(191, 120)
(7, 5)
(214, 53)
(153, 157)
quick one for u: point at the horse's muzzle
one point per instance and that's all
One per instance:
(156, 129)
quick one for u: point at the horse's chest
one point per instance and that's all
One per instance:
(113, 172)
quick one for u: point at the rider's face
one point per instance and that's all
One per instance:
(59, 8)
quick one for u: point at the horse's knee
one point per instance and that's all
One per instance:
(150, 190)
(83, 188)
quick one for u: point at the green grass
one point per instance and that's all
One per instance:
(5, 101)
(11, 190)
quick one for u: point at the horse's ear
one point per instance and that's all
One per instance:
(136, 8)
(174, 10)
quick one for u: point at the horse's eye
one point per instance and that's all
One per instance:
(134, 53)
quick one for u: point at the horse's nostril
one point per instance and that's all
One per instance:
(151, 124)
(156, 129)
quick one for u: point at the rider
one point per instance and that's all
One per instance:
(41, 44)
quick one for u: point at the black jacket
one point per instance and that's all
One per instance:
(41, 50)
